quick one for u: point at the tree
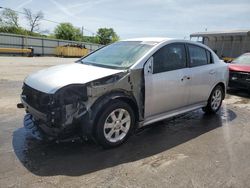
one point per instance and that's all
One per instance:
(34, 20)
(91, 39)
(106, 36)
(67, 31)
(9, 18)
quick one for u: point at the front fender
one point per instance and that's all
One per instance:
(89, 120)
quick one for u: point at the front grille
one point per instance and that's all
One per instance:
(35, 98)
(242, 76)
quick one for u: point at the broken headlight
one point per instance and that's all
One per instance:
(71, 94)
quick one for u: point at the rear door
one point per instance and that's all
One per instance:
(165, 85)
(202, 73)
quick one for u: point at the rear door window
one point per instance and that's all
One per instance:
(198, 56)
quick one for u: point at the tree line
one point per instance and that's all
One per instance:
(9, 23)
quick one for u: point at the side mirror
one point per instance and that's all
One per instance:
(148, 69)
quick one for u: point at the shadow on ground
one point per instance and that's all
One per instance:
(75, 159)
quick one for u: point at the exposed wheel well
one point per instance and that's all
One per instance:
(100, 105)
(132, 104)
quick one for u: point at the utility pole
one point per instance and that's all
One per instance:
(82, 30)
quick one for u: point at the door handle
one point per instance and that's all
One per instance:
(185, 78)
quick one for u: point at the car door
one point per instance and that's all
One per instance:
(202, 74)
(166, 79)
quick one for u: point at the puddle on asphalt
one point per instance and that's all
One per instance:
(49, 158)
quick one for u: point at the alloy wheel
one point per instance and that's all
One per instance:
(216, 99)
(117, 125)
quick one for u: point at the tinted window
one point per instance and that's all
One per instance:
(170, 57)
(198, 56)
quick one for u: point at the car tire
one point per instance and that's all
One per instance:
(214, 101)
(115, 124)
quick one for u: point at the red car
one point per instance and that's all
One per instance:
(239, 72)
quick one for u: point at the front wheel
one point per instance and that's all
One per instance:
(214, 101)
(115, 124)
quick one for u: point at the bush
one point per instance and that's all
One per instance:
(19, 31)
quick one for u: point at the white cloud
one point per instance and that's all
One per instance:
(62, 8)
(170, 18)
(24, 4)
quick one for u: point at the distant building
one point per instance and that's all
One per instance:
(228, 44)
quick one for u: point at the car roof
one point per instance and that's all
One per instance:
(149, 39)
(159, 40)
(247, 53)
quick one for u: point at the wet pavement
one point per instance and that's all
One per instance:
(192, 150)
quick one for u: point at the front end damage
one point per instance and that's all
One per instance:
(73, 109)
(54, 115)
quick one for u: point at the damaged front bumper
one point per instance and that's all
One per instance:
(56, 123)
(32, 128)
(44, 133)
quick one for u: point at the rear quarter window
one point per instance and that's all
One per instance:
(210, 59)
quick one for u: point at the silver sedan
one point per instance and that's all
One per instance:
(106, 95)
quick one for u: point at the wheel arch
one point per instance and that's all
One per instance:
(222, 84)
(102, 101)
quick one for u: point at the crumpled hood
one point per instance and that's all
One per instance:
(51, 79)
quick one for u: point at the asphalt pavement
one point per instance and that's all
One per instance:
(193, 150)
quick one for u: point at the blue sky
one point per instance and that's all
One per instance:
(140, 18)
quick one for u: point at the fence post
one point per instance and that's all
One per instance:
(22, 42)
(42, 47)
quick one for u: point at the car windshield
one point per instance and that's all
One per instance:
(243, 59)
(119, 55)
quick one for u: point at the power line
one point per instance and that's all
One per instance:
(52, 21)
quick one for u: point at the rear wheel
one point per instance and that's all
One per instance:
(115, 124)
(215, 100)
